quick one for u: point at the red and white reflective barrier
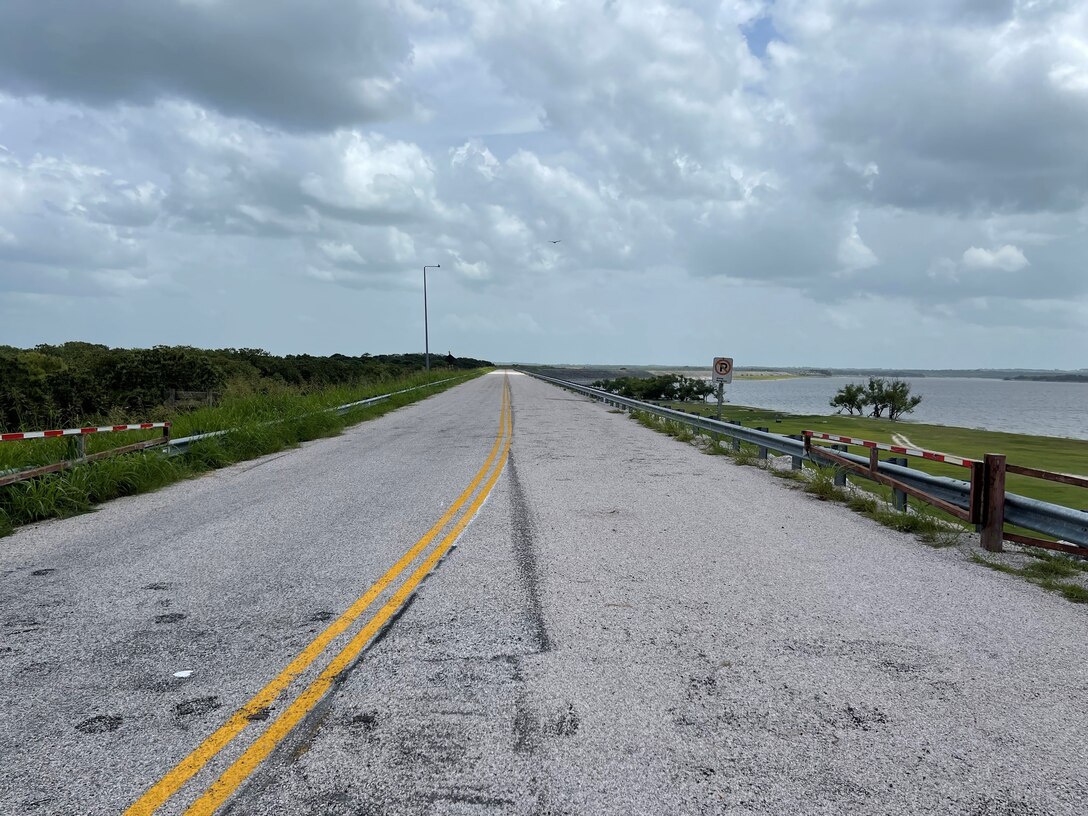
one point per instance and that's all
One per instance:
(933, 456)
(143, 426)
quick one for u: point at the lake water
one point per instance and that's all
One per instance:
(1042, 408)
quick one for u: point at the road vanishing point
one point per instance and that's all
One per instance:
(507, 599)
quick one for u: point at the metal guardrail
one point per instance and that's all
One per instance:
(174, 447)
(1059, 521)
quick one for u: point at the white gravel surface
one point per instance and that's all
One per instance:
(629, 626)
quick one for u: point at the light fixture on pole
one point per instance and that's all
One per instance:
(426, 339)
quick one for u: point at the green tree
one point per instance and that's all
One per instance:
(900, 400)
(892, 396)
(852, 397)
(661, 387)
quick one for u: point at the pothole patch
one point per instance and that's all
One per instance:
(196, 707)
(100, 724)
(567, 721)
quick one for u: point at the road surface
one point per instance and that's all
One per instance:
(616, 623)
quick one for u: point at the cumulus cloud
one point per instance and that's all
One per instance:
(1007, 258)
(795, 152)
(64, 224)
(313, 65)
(853, 254)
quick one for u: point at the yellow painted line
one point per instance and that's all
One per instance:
(242, 767)
(171, 783)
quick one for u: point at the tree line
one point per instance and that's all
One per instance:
(674, 387)
(76, 382)
(881, 395)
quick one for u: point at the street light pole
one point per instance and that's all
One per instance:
(426, 338)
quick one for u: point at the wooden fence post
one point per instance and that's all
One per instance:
(993, 517)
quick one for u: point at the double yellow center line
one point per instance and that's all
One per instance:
(240, 769)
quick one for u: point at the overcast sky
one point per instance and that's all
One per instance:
(824, 182)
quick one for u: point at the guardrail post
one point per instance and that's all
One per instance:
(80, 447)
(736, 442)
(993, 516)
(840, 473)
(899, 498)
(796, 460)
(763, 450)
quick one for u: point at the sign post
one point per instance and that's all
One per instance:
(723, 373)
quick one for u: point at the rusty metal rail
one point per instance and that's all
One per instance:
(170, 447)
(972, 513)
(981, 500)
(1001, 514)
(80, 457)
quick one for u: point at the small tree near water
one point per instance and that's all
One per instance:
(851, 397)
(892, 396)
(880, 395)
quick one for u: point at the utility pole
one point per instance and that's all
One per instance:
(426, 337)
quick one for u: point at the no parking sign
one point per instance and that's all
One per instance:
(723, 369)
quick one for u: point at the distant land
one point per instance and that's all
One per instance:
(1075, 377)
(591, 372)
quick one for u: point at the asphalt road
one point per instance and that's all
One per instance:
(625, 625)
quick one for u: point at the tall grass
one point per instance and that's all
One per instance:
(260, 422)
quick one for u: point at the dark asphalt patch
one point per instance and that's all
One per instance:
(44, 571)
(385, 630)
(260, 715)
(368, 720)
(21, 625)
(525, 560)
(158, 585)
(863, 717)
(322, 616)
(170, 617)
(100, 724)
(567, 721)
(196, 707)
(467, 796)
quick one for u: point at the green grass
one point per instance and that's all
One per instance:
(1044, 452)
(932, 527)
(263, 423)
(819, 481)
(1045, 570)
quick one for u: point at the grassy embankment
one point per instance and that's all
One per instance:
(1051, 571)
(266, 422)
(1044, 452)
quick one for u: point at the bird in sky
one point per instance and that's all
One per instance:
(556, 242)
